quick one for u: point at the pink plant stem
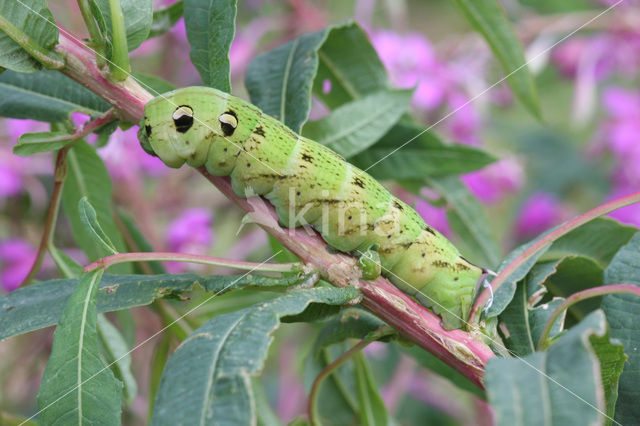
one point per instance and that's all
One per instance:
(108, 261)
(578, 297)
(543, 242)
(455, 347)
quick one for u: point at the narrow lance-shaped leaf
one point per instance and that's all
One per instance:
(138, 15)
(117, 356)
(355, 126)
(77, 387)
(39, 305)
(31, 22)
(372, 409)
(208, 378)
(623, 314)
(488, 18)
(32, 143)
(46, 96)
(164, 19)
(280, 81)
(211, 25)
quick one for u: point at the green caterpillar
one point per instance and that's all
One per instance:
(310, 184)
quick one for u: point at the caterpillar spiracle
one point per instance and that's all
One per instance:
(308, 183)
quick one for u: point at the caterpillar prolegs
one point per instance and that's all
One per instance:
(310, 184)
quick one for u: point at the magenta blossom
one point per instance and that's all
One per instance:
(16, 258)
(190, 233)
(495, 181)
(434, 216)
(126, 160)
(539, 212)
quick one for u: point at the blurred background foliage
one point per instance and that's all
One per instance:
(584, 151)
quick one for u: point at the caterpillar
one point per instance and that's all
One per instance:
(308, 184)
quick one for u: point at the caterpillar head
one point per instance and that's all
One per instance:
(180, 126)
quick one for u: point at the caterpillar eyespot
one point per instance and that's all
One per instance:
(308, 184)
(183, 118)
(228, 122)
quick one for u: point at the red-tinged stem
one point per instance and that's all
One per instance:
(114, 259)
(455, 347)
(579, 297)
(543, 242)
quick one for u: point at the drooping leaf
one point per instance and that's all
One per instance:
(32, 23)
(77, 387)
(138, 16)
(39, 305)
(469, 220)
(164, 19)
(356, 126)
(89, 219)
(622, 312)
(611, 356)
(560, 386)
(488, 18)
(153, 84)
(117, 356)
(372, 409)
(207, 380)
(423, 155)
(46, 96)
(211, 25)
(87, 176)
(280, 81)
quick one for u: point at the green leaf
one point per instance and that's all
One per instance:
(164, 19)
(267, 416)
(89, 219)
(154, 84)
(87, 176)
(211, 25)
(350, 65)
(207, 380)
(560, 386)
(372, 409)
(280, 81)
(599, 239)
(68, 267)
(39, 305)
(611, 357)
(489, 19)
(351, 323)
(77, 386)
(622, 314)
(46, 96)
(117, 355)
(425, 155)
(356, 126)
(138, 15)
(468, 219)
(32, 23)
(524, 319)
(32, 143)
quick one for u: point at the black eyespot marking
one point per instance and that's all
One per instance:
(183, 118)
(228, 122)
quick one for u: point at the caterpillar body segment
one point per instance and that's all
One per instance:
(308, 183)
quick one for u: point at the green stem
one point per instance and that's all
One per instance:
(579, 297)
(97, 38)
(543, 242)
(48, 59)
(120, 67)
(312, 410)
(114, 259)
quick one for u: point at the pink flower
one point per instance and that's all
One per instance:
(539, 212)
(495, 181)
(16, 257)
(190, 233)
(126, 160)
(434, 216)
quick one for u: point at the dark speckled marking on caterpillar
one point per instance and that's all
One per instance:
(309, 184)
